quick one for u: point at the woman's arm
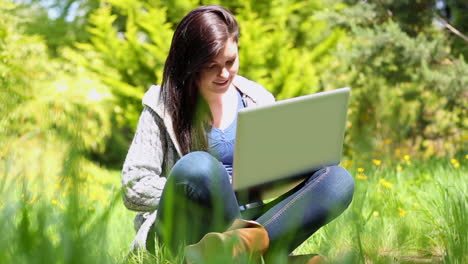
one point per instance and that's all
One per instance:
(142, 182)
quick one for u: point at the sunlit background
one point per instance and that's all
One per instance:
(73, 73)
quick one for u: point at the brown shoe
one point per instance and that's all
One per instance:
(243, 242)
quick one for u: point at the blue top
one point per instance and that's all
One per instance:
(221, 142)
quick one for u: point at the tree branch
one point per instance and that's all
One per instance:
(452, 29)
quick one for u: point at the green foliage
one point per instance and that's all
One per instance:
(456, 13)
(278, 49)
(406, 89)
(66, 26)
(22, 60)
(46, 96)
(402, 11)
(130, 60)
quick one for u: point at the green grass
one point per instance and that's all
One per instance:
(57, 207)
(414, 213)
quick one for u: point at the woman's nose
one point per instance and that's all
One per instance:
(224, 73)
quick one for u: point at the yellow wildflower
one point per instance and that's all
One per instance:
(375, 213)
(376, 162)
(361, 176)
(347, 163)
(54, 201)
(387, 141)
(385, 183)
(399, 168)
(455, 163)
(402, 212)
(33, 200)
(360, 170)
(397, 152)
(466, 156)
(407, 159)
(23, 195)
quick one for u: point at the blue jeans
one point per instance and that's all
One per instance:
(198, 198)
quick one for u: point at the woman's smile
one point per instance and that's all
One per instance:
(221, 83)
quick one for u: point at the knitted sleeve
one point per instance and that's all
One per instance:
(142, 181)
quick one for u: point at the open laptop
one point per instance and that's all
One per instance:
(282, 141)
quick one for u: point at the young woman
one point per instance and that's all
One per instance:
(180, 161)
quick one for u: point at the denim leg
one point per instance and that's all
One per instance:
(314, 203)
(196, 199)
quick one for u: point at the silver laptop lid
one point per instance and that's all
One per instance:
(289, 137)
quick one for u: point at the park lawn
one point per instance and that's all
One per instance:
(403, 212)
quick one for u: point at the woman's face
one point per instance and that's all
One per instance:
(217, 75)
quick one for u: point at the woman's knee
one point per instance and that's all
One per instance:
(197, 167)
(344, 183)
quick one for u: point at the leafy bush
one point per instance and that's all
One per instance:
(47, 95)
(407, 90)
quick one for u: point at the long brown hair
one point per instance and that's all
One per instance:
(198, 38)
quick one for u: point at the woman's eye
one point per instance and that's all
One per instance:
(230, 62)
(210, 66)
